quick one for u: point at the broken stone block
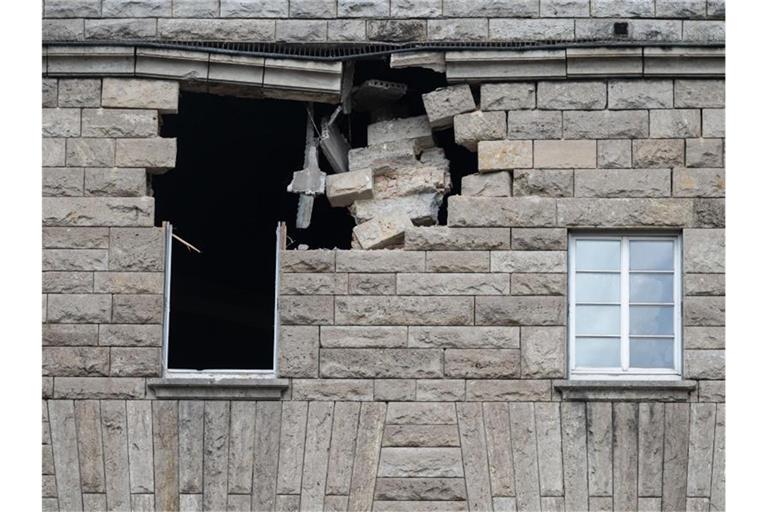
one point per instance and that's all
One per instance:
(442, 104)
(409, 128)
(408, 181)
(430, 60)
(344, 188)
(307, 181)
(372, 94)
(491, 184)
(476, 126)
(382, 157)
(383, 231)
(421, 208)
(334, 145)
(504, 155)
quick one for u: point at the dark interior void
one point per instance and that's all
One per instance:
(226, 195)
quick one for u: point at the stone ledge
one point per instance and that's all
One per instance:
(628, 391)
(217, 389)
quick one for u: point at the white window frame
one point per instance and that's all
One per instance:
(625, 372)
(181, 373)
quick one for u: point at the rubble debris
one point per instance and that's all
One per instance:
(309, 181)
(345, 188)
(333, 143)
(430, 60)
(408, 128)
(372, 94)
(385, 231)
(383, 157)
(492, 184)
(443, 104)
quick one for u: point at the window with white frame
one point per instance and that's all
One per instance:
(624, 306)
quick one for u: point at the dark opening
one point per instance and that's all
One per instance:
(621, 29)
(226, 195)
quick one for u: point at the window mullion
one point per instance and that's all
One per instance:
(624, 304)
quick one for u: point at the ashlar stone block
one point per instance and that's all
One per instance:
(445, 103)
(564, 154)
(489, 184)
(510, 96)
(344, 188)
(471, 128)
(569, 95)
(504, 155)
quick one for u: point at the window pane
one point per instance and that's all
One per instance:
(597, 287)
(598, 352)
(598, 320)
(651, 320)
(598, 254)
(651, 255)
(651, 287)
(651, 353)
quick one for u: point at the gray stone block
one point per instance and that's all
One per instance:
(162, 95)
(61, 122)
(420, 489)
(50, 92)
(457, 29)
(704, 338)
(139, 8)
(705, 364)
(619, 8)
(506, 29)
(75, 361)
(332, 389)
(137, 309)
(705, 311)
(534, 124)
(372, 284)
(501, 211)
(508, 390)
(346, 30)
(477, 126)
(571, 95)
(528, 261)
(704, 31)
(75, 238)
(152, 153)
(393, 390)
(493, 184)
(75, 259)
(452, 284)
(79, 92)
(543, 182)
(503, 155)
(537, 284)
(667, 124)
(490, 8)
(379, 261)
(698, 182)
(72, 9)
(538, 239)
(196, 8)
(70, 334)
(54, 152)
(564, 9)
(458, 261)
(135, 362)
(416, 8)
(362, 8)
(681, 9)
(358, 363)
(704, 284)
(443, 104)
(624, 212)
(103, 388)
(482, 363)
(387, 156)
(652, 153)
(712, 391)
(119, 123)
(704, 153)
(62, 181)
(382, 231)
(564, 154)
(542, 351)
(410, 128)
(420, 462)
(434, 390)
(90, 152)
(63, 30)
(363, 337)
(136, 249)
(509, 96)
(308, 261)
(605, 124)
(630, 94)
(442, 238)
(519, 310)
(380, 310)
(713, 122)
(313, 284)
(704, 250)
(118, 182)
(305, 31)
(128, 28)
(132, 335)
(622, 183)
(306, 310)
(79, 308)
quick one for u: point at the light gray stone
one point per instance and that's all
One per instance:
(705, 364)
(90, 152)
(380, 261)
(64, 441)
(528, 261)
(128, 282)
(477, 126)
(612, 154)
(606, 183)
(103, 388)
(458, 261)
(508, 390)
(700, 449)
(574, 439)
(196, 8)
(457, 29)
(433, 390)
(713, 122)
(130, 335)
(405, 489)
(411, 128)
(372, 284)
(363, 337)
(509, 96)
(534, 124)
(319, 424)
(79, 92)
(704, 284)
(266, 446)
(74, 259)
(625, 455)
(704, 250)
(70, 334)
(469, 8)
(630, 94)
(299, 351)
(523, 433)
(54, 152)
(293, 431)
(650, 448)
(152, 153)
(503, 155)
(571, 95)
(308, 261)
(452, 284)
(373, 362)
(342, 450)
(313, 284)
(542, 352)
(474, 455)
(501, 211)
(420, 462)
(676, 428)
(605, 124)
(89, 445)
(704, 337)
(500, 464)
(75, 238)
(519, 311)
(464, 337)
(538, 239)
(698, 183)
(137, 309)
(537, 284)
(387, 156)
(50, 92)
(543, 182)
(87, 211)
(444, 103)
(127, 28)
(482, 363)
(657, 152)
(137, 8)
(366, 460)
(628, 8)
(332, 389)
(383, 231)
(62, 181)
(712, 391)
(135, 362)
(114, 431)
(139, 428)
(162, 95)
(79, 308)
(549, 449)
(373, 310)
(599, 445)
(61, 122)
(115, 182)
(666, 124)
(421, 436)
(504, 29)
(392, 390)
(304, 31)
(71, 8)
(491, 184)
(306, 310)
(344, 188)
(421, 413)
(704, 152)
(699, 93)
(564, 154)
(718, 463)
(624, 212)
(346, 30)
(704, 311)
(75, 361)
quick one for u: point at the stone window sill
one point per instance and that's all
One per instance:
(180, 388)
(632, 391)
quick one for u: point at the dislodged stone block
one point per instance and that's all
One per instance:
(382, 157)
(382, 232)
(430, 60)
(491, 184)
(473, 127)
(344, 188)
(443, 104)
(418, 179)
(421, 208)
(504, 155)
(409, 128)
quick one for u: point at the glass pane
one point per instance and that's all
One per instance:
(651, 320)
(598, 352)
(651, 287)
(598, 254)
(597, 287)
(651, 353)
(598, 320)
(651, 255)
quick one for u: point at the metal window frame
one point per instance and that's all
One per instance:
(625, 372)
(180, 373)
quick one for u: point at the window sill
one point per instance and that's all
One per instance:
(218, 389)
(632, 391)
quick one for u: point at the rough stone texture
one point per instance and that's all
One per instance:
(622, 183)
(543, 182)
(542, 352)
(443, 104)
(571, 95)
(412, 128)
(657, 153)
(630, 94)
(605, 124)
(614, 154)
(501, 212)
(493, 184)
(139, 93)
(503, 155)
(675, 123)
(511, 96)
(704, 153)
(698, 182)
(469, 129)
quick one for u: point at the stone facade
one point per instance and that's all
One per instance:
(428, 377)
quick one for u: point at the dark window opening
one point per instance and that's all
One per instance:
(225, 196)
